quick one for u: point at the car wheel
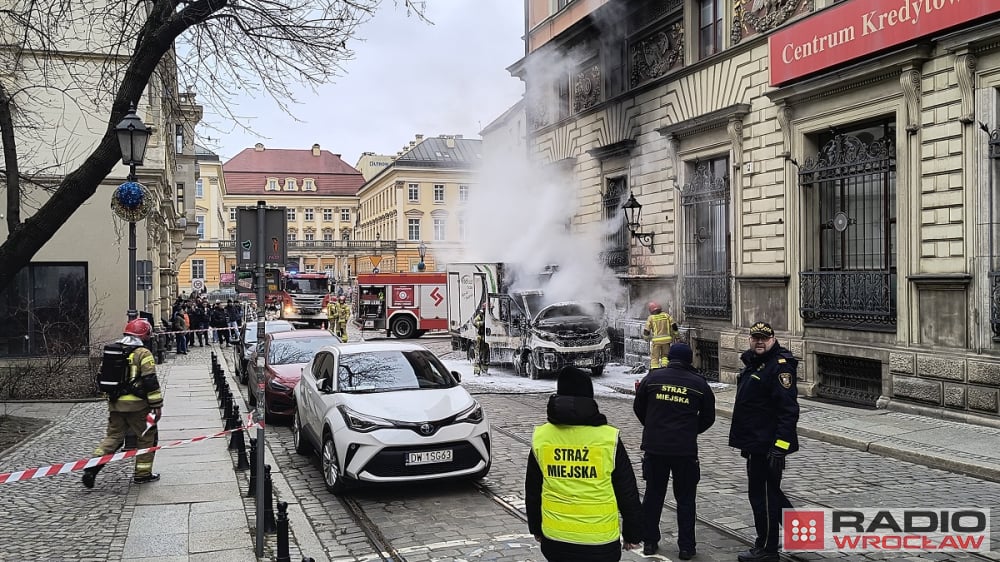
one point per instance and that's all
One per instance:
(533, 372)
(404, 328)
(301, 446)
(597, 371)
(331, 471)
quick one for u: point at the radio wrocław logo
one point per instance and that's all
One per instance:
(894, 530)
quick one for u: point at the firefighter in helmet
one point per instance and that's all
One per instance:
(343, 315)
(332, 314)
(482, 365)
(660, 331)
(128, 412)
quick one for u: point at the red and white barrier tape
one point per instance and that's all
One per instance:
(66, 467)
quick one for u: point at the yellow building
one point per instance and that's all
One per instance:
(202, 270)
(419, 198)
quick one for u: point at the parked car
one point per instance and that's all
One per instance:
(246, 342)
(388, 412)
(275, 367)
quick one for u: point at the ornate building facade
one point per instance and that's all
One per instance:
(826, 166)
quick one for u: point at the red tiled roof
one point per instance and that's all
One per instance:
(247, 172)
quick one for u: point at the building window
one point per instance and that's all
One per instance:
(345, 235)
(180, 198)
(413, 229)
(308, 214)
(345, 215)
(201, 226)
(707, 240)
(309, 237)
(197, 269)
(310, 268)
(199, 188)
(462, 232)
(232, 213)
(272, 184)
(413, 192)
(308, 185)
(291, 236)
(849, 256)
(327, 214)
(232, 234)
(438, 193)
(179, 139)
(463, 193)
(46, 311)
(709, 28)
(290, 213)
(290, 184)
(327, 236)
(616, 239)
(439, 229)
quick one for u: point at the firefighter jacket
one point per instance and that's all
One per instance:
(480, 323)
(142, 378)
(344, 312)
(674, 404)
(579, 477)
(659, 328)
(766, 408)
(333, 311)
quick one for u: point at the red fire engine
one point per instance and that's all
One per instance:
(402, 304)
(303, 298)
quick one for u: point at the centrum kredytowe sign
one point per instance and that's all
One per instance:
(858, 28)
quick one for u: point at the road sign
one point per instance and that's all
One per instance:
(375, 260)
(198, 284)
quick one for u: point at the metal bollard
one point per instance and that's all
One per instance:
(242, 463)
(234, 421)
(282, 554)
(253, 468)
(269, 526)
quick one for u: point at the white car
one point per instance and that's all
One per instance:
(388, 412)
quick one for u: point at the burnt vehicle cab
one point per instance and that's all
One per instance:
(562, 334)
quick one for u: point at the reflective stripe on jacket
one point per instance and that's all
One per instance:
(578, 499)
(141, 364)
(658, 326)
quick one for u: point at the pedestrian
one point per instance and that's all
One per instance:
(199, 323)
(765, 415)
(343, 315)
(674, 404)
(579, 478)
(128, 412)
(659, 332)
(180, 326)
(332, 314)
(220, 324)
(233, 318)
(482, 350)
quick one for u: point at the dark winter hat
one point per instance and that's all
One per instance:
(762, 329)
(680, 352)
(574, 382)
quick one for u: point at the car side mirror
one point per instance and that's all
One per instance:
(457, 375)
(326, 385)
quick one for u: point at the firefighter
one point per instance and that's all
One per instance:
(482, 366)
(343, 315)
(128, 412)
(659, 332)
(332, 312)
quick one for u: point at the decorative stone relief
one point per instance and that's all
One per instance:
(587, 87)
(735, 129)
(673, 148)
(654, 55)
(909, 80)
(965, 70)
(751, 17)
(785, 124)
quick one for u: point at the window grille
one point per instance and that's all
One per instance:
(707, 274)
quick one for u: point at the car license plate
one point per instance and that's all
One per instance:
(583, 362)
(428, 457)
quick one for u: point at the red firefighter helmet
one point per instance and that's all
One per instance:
(342, 298)
(139, 328)
(654, 307)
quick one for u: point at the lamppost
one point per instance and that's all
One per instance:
(131, 200)
(378, 252)
(633, 215)
(422, 251)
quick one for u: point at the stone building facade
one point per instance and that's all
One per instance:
(815, 164)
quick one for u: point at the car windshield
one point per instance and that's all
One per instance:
(297, 350)
(306, 286)
(382, 371)
(251, 334)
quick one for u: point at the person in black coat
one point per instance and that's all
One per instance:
(574, 405)
(674, 404)
(764, 429)
(220, 323)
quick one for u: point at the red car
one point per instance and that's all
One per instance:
(274, 371)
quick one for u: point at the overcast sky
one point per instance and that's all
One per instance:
(407, 77)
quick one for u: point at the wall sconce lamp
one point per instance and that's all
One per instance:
(633, 216)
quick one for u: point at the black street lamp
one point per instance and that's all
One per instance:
(422, 251)
(633, 216)
(378, 251)
(131, 200)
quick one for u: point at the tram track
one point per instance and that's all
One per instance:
(382, 546)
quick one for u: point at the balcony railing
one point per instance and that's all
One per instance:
(708, 295)
(856, 298)
(367, 246)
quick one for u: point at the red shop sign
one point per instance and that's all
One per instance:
(859, 28)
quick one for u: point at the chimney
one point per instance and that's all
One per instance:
(315, 150)
(259, 147)
(449, 142)
(413, 143)
(419, 137)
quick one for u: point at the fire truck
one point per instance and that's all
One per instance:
(405, 305)
(303, 297)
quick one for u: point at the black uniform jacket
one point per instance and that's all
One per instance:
(674, 404)
(766, 408)
(575, 410)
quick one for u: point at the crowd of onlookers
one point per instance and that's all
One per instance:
(195, 321)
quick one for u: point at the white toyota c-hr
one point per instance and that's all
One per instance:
(388, 412)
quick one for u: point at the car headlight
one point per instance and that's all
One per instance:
(361, 422)
(472, 414)
(275, 385)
